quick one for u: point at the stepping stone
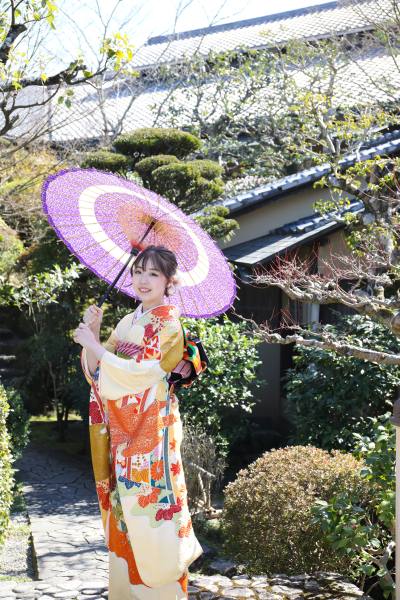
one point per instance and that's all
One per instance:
(239, 593)
(241, 581)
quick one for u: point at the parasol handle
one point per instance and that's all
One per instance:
(104, 297)
(134, 252)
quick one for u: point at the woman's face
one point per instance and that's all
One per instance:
(149, 283)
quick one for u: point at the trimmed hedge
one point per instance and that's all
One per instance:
(6, 470)
(156, 140)
(107, 161)
(267, 517)
(146, 166)
(17, 422)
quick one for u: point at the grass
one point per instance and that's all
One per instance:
(43, 432)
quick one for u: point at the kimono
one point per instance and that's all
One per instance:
(135, 437)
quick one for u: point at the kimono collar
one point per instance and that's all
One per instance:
(162, 310)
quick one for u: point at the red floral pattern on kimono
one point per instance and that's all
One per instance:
(135, 435)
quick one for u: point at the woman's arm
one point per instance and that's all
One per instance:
(92, 317)
(84, 336)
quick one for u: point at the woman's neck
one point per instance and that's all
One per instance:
(149, 305)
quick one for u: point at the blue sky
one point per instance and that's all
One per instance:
(79, 24)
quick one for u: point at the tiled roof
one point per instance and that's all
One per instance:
(307, 23)
(127, 105)
(385, 144)
(285, 238)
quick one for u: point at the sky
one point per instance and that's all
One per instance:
(80, 23)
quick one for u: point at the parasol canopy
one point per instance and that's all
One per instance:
(105, 220)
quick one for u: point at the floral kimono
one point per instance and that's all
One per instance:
(135, 436)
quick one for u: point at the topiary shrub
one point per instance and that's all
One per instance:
(183, 184)
(17, 422)
(267, 519)
(146, 166)
(6, 471)
(214, 219)
(107, 161)
(208, 169)
(156, 140)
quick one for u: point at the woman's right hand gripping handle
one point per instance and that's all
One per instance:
(93, 317)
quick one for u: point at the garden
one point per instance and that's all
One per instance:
(312, 514)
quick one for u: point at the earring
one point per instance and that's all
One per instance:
(171, 290)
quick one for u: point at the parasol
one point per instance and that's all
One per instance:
(105, 220)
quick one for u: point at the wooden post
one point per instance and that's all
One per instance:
(396, 422)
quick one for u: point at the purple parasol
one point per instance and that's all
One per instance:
(104, 220)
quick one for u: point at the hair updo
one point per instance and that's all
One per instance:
(163, 259)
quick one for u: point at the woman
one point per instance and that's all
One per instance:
(135, 435)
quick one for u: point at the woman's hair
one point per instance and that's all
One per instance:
(163, 259)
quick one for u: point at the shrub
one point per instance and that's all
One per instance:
(267, 516)
(11, 247)
(146, 166)
(6, 471)
(199, 457)
(221, 400)
(208, 169)
(108, 161)
(214, 219)
(361, 527)
(17, 422)
(326, 414)
(183, 184)
(156, 140)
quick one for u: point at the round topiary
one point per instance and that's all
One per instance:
(156, 140)
(6, 471)
(107, 161)
(183, 184)
(146, 166)
(208, 169)
(267, 521)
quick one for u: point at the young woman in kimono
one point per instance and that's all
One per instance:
(135, 435)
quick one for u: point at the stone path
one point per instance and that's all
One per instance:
(68, 541)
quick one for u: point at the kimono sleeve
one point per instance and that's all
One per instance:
(109, 345)
(160, 354)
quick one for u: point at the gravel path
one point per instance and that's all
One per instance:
(16, 560)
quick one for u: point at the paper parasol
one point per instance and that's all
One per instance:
(105, 219)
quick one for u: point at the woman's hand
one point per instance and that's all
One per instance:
(93, 316)
(84, 336)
